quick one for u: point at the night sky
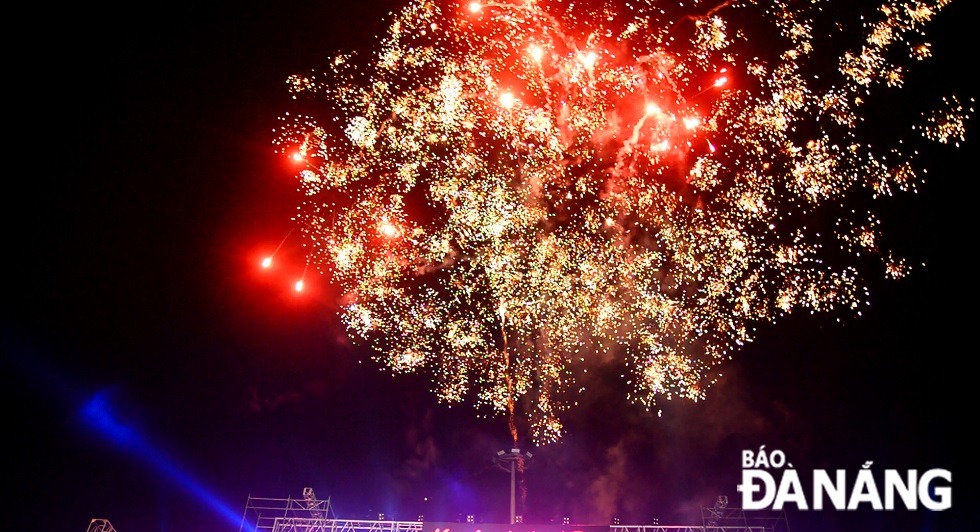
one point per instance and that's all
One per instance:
(157, 378)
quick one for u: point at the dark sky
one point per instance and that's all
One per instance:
(156, 378)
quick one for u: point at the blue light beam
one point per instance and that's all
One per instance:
(36, 369)
(97, 414)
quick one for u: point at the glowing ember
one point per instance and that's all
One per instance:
(511, 192)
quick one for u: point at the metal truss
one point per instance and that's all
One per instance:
(300, 524)
(100, 525)
(308, 514)
(721, 517)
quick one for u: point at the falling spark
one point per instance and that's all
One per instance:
(511, 192)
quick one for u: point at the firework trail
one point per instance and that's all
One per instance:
(509, 192)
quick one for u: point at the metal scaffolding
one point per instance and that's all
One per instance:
(720, 517)
(100, 525)
(309, 514)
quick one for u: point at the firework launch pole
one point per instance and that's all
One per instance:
(510, 462)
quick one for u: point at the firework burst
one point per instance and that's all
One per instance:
(509, 192)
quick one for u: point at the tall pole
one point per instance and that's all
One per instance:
(508, 461)
(513, 501)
